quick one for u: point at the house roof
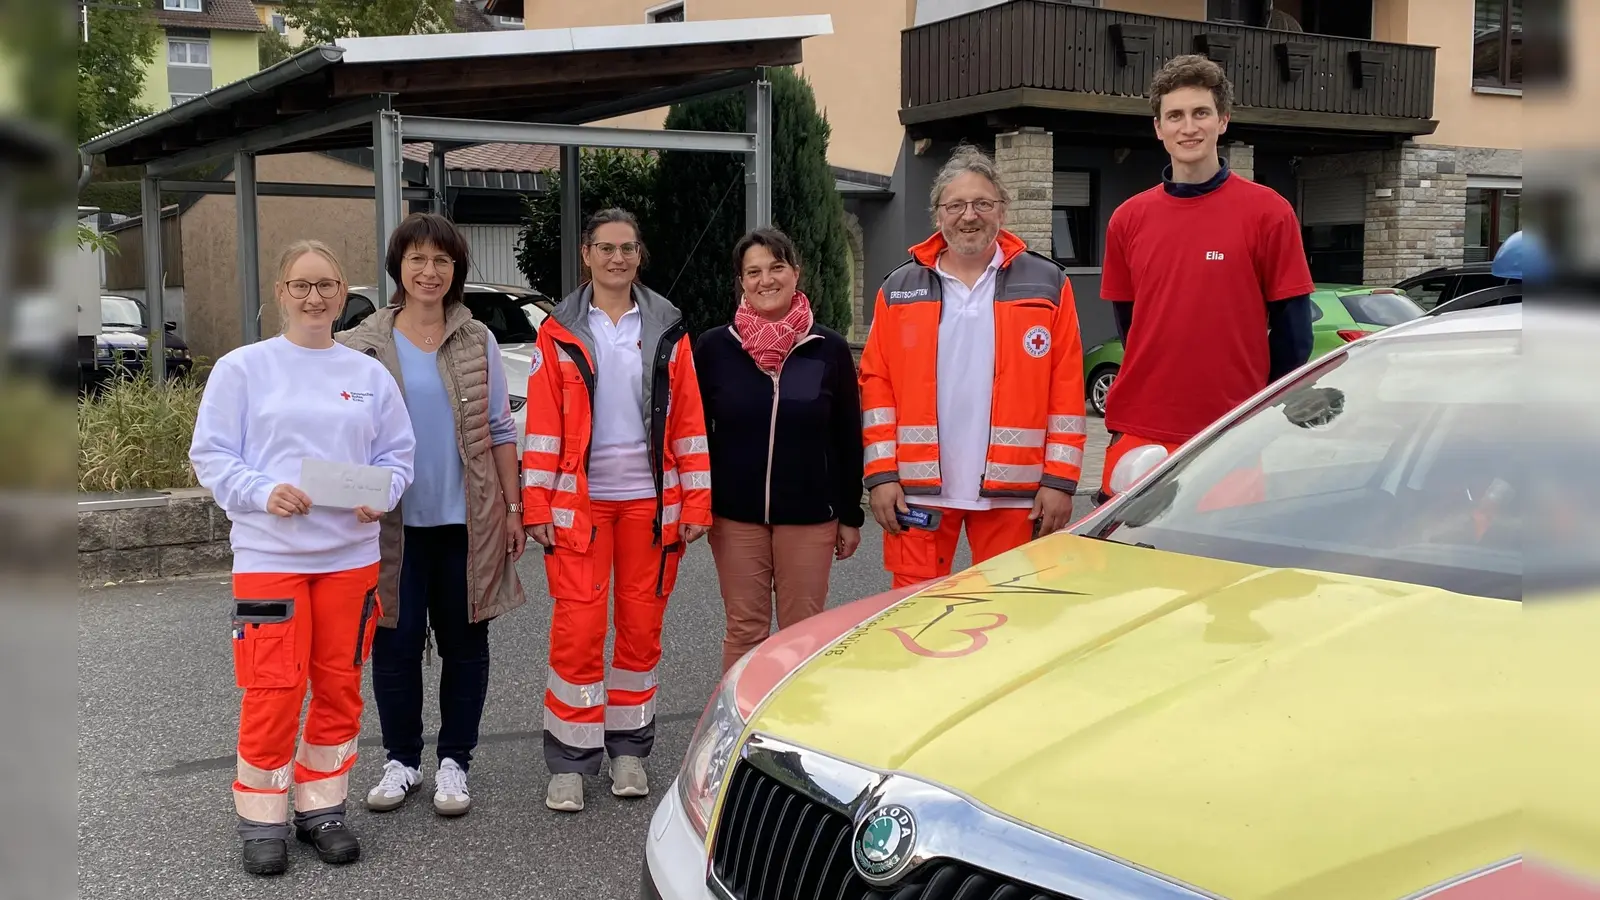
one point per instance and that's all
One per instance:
(566, 76)
(217, 15)
(491, 157)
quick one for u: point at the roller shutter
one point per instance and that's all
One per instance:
(1333, 201)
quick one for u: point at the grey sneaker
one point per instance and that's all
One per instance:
(628, 778)
(399, 782)
(450, 790)
(565, 793)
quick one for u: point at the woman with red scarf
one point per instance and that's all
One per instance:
(783, 415)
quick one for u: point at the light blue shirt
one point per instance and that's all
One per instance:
(438, 495)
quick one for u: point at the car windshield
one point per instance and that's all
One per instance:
(1382, 309)
(504, 316)
(121, 312)
(1393, 461)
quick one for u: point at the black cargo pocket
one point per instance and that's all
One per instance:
(368, 626)
(264, 651)
(667, 575)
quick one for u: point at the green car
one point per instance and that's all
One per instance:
(1340, 313)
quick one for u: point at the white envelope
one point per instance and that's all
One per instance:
(345, 486)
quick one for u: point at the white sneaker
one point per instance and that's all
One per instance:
(628, 778)
(565, 793)
(399, 782)
(450, 790)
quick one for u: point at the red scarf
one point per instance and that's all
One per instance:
(769, 342)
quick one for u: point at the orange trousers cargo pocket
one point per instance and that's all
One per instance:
(570, 574)
(913, 553)
(265, 654)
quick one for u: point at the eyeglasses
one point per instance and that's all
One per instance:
(629, 250)
(416, 262)
(300, 289)
(959, 207)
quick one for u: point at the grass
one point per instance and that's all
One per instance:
(135, 434)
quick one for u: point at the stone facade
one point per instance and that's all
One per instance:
(185, 535)
(1241, 160)
(859, 310)
(1027, 162)
(1416, 200)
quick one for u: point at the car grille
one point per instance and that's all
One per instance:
(774, 843)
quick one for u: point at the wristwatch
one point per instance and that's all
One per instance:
(513, 507)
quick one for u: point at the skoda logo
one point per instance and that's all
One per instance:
(884, 841)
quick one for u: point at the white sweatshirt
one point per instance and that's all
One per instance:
(271, 404)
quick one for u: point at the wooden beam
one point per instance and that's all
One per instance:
(559, 69)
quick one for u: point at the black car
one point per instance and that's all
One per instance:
(1438, 287)
(124, 343)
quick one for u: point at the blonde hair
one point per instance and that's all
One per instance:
(291, 254)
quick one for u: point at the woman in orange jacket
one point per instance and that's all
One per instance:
(616, 482)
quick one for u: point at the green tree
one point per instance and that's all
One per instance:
(112, 64)
(326, 21)
(274, 48)
(622, 178)
(699, 207)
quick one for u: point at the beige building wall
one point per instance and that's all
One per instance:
(210, 248)
(855, 71)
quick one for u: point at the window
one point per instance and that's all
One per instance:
(182, 5)
(1428, 294)
(1380, 308)
(1493, 214)
(188, 52)
(507, 21)
(278, 24)
(1237, 12)
(666, 12)
(1072, 219)
(182, 98)
(1497, 43)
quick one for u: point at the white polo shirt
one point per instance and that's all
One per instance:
(619, 456)
(966, 387)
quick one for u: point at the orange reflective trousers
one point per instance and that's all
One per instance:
(288, 631)
(914, 555)
(586, 713)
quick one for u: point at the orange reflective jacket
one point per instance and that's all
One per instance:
(1036, 425)
(555, 449)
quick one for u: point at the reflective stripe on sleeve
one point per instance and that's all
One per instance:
(1069, 425)
(541, 443)
(1016, 437)
(688, 445)
(539, 478)
(671, 512)
(563, 518)
(697, 481)
(927, 471)
(1014, 474)
(883, 415)
(1063, 453)
(567, 482)
(880, 450)
(919, 434)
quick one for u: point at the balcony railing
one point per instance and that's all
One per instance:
(1054, 46)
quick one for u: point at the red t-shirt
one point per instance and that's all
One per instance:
(1199, 272)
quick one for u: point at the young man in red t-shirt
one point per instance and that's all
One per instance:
(1206, 275)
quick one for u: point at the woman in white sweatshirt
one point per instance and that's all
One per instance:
(305, 577)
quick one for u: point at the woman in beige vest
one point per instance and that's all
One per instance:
(451, 545)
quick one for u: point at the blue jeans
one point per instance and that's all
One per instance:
(433, 590)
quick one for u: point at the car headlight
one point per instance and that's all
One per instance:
(711, 750)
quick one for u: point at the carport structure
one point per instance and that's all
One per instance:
(454, 90)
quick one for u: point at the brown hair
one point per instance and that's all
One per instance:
(1192, 70)
(418, 229)
(606, 217)
(780, 245)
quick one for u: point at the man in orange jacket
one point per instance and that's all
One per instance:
(971, 386)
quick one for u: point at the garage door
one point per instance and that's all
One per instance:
(1333, 201)
(494, 254)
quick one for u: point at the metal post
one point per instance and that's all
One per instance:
(155, 279)
(571, 218)
(758, 164)
(248, 231)
(438, 182)
(386, 175)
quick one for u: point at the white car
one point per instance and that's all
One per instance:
(513, 315)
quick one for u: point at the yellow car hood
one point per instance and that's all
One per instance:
(1258, 733)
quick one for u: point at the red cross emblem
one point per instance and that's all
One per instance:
(345, 394)
(1036, 341)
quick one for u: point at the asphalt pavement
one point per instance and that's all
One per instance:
(158, 716)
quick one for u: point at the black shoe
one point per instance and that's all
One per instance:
(269, 856)
(336, 844)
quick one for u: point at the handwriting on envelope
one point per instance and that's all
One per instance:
(345, 485)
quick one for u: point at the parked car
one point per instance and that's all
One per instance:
(123, 345)
(1510, 261)
(1275, 667)
(1436, 287)
(1339, 314)
(512, 313)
